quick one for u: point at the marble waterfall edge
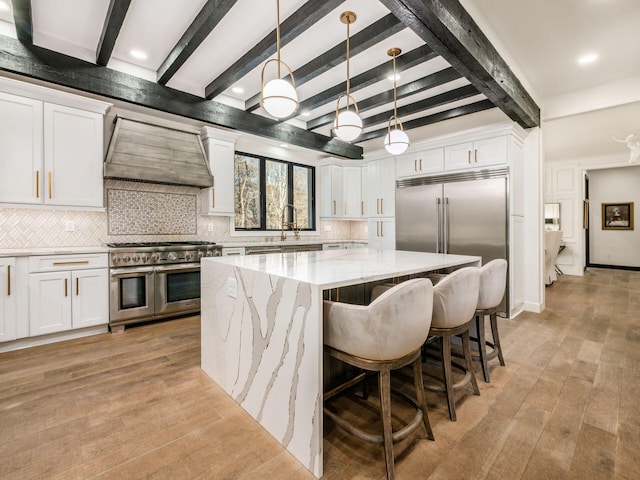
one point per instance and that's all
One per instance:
(263, 347)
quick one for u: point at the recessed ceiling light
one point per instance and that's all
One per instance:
(588, 58)
(4, 7)
(390, 77)
(237, 90)
(306, 113)
(139, 54)
(284, 145)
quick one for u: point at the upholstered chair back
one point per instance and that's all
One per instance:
(493, 282)
(455, 298)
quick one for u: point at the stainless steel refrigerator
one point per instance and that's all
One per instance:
(465, 213)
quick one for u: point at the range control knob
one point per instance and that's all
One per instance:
(154, 258)
(126, 259)
(136, 258)
(189, 256)
(172, 256)
(201, 254)
(115, 259)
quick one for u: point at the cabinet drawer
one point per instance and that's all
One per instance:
(56, 263)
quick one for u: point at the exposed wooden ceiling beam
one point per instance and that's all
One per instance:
(374, 75)
(294, 25)
(447, 27)
(373, 34)
(22, 20)
(411, 88)
(430, 119)
(112, 25)
(49, 66)
(204, 23)
(425, 104)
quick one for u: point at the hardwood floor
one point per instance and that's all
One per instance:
(136, 405)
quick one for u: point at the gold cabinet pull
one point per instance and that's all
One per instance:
(344, 204)
(469, 156)
(362, 208)
(475, 155)
(77, 286)
(82, 262)
(382, 206)
(415, 165)
(49, 184)
(334, 207)
(213, 197)
(37, 183)
(8, 280)
(420, 164)
(66, 287)
(381, 228)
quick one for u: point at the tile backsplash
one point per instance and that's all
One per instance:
(128, 219)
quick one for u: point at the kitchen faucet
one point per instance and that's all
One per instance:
(293, 225)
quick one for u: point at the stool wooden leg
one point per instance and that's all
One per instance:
(496, 336)
(420, 396)
(482, 347)
(448, 384)
(466, 346)
(387, 433)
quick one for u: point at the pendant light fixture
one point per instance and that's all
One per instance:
(395, 141)
(348, 124)
(279, 97)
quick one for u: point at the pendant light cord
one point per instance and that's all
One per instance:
(395, 108)
(278, 34)
(348, 81)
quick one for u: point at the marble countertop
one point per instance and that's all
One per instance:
(288, 241)
(331, 269)
(26, 252)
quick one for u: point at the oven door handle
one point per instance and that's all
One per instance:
(130, 271)
(177, 266)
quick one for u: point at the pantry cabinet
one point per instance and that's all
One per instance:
(381, 189)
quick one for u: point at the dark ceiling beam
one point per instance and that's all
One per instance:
(425, 104)
(430, 119)
(364, 39)
(22, 20)
(112, 24)
(299, 21)
(403, 62)
(435, 79)
(53, 67)
(204, 23)
(447, 27)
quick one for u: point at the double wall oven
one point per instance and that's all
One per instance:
(150, 281)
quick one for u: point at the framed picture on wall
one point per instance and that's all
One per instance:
(617, 216)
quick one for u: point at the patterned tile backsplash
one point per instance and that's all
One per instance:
(129, 220)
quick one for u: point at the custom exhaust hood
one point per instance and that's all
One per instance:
(146, 152)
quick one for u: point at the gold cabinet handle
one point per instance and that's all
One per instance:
(362, 208)
(213, 197)
(83, 262)
(475, 155)
(381, 229)
(49, 184)
(334, 207)
(382, 206)
(420, 164)
(415, 165)
(77, 286)
(66, 287)
(8, 280)
(378, 228)
(469, 157)
(37, 183)
(344, 204)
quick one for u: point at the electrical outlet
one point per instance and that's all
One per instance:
(232, 287)
(69, 226)
(210, 227)
(327, 228)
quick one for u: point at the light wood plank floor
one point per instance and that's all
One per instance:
(136, 405)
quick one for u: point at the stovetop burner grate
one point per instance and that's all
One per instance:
(160, 244)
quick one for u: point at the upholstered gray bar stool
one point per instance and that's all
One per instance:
(455, 298)
(385, 335)
(493, 282)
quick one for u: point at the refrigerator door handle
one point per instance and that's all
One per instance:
(446, 225)
(439, 213)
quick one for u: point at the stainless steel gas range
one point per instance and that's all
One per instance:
(150, 281)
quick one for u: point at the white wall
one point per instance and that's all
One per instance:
(613, 247)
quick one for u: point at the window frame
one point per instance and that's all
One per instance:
(290, 191)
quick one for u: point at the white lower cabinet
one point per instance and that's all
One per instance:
(66, 293)
(8, 303)
(382, 233)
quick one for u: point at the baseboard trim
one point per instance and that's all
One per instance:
(614, 267)
(533, 307)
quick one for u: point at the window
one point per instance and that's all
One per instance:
(264, 187)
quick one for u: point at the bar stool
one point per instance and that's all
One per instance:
(493, 281)
(385, 335)
(455, 298)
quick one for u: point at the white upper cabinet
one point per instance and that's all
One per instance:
(479, 153)
(220, 149)
(420, 163)
(21, 152)
(352, 192)
(52, 151)
(73, 146)
(381, 192)
(331, 191)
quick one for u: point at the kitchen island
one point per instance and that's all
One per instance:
(262, 335)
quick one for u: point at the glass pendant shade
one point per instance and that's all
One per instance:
(279, 98)
(347, 126)
(396, 142)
